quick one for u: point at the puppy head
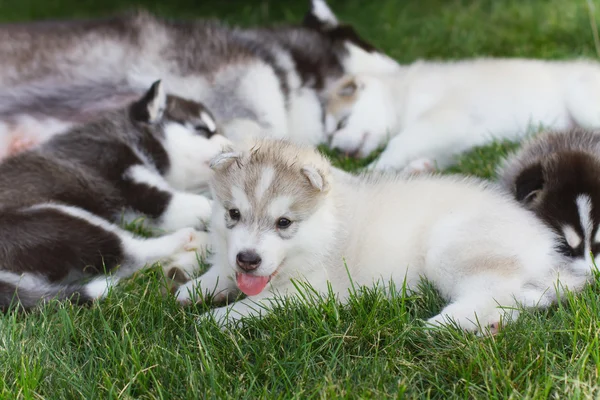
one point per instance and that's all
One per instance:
(564, 190)
(189, 133)
(269, 201)
(360, 114)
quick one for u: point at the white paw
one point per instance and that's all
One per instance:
(350, 143)
(186, 294)
(191, 239)
(187, 262)
(186, 210)
(482, 322)
(219, 315)
(194, 245)
(419, 166)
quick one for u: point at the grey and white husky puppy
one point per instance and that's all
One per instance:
(60, 202)
(264, 81)
(280, 214)
(557, 176)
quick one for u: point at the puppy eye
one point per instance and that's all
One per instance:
(203, 129)
(283, 223)
(234, 214)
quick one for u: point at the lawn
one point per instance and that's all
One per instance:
(141, 344)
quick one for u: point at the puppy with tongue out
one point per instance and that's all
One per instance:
(272, 223)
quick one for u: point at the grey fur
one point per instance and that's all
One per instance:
(71, 69)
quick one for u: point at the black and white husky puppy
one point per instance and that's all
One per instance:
(264, 81)
(557, 175)
(59, 203)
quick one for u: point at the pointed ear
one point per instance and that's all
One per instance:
(316, 178)
(320, 16)
(529, 184)
(224, 160)
(151, 107)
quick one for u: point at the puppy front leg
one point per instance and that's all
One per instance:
(431, 142)
(228, 315)
(214, 282)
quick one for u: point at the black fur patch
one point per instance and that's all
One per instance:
(54, 244)
(566, 176)
(528, 182)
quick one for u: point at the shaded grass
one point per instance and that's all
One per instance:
(140, 344)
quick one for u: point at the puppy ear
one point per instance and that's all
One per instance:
(315, 178)
(530, 183)
(224, 160)
(320, 17)
(151, 107)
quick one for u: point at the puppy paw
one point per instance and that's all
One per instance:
(419, 166)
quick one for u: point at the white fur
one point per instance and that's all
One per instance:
(210, 123)
(479, 248)
(142, 174)
(279, 206)
(190, 155)
(184, 210)
(99, 287)
(584, 209)
(27, 281)
(438, 110)
(304, 118)
(321, 10)
(241, 199)
(266, 179)
(573, 238)
(156, 106)
(361, 61)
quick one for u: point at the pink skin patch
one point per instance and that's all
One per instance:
(251, 285)
(19, 144)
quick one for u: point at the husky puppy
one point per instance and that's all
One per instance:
(557, 176)
(432, 111)
(279, 214)
(255, 81)
(60, 202)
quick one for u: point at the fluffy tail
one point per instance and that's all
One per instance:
(27, 291)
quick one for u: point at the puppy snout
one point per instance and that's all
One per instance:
(248, 260)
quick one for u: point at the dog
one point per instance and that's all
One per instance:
(557, 176)
(60, 203)
(433, 111)
(259, 81)
(280, 216)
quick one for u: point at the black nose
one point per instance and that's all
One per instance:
(248, 260)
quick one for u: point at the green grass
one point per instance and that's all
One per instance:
(140, 344)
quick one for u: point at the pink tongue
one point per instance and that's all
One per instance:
(251, 285)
